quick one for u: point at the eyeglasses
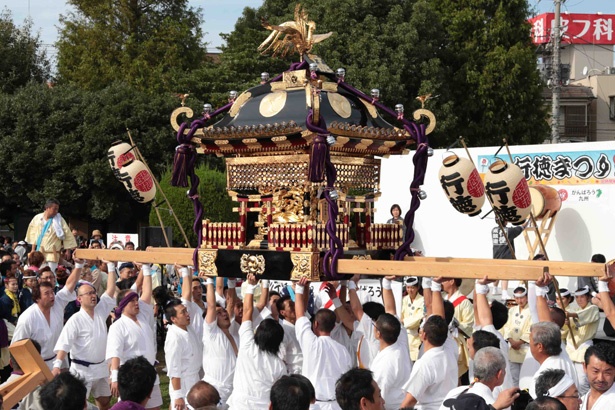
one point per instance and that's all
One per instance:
(375, 326)
(90, 293)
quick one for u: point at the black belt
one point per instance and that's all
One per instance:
(84, 363)
(51, 358)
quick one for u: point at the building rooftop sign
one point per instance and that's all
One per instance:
(576, 28)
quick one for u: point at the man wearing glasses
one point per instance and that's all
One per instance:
(85, 337)
(557, 384)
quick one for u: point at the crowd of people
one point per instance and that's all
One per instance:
(98, 327)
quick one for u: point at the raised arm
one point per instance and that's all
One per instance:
(146, 290)
(482, 314)
(428, 296)
(248, 298)
(75, 274)
(186, 282)
(603, 299)
(340, 310)
(210, 317)
(262, 301)
(220, 286)
(355, 303)
(437, 302)
(388, 298)
(542, 308)
(111, 280)
(302, 287)
(232, 297)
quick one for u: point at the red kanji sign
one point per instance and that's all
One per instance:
(575, 28)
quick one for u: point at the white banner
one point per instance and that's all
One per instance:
(370, 290)
(121, 239)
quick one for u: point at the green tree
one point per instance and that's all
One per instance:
(217, 205)
(494, 81)
(23, 58)
(474, 56)
(145, 43)
(55, 143)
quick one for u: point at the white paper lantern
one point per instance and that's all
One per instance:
(119, 154)
(508, 191)
(462, 185)
(138, 181)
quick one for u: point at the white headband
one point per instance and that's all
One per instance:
(564, 293)
(561, 386)
(520, 294)
(412, 281)
(584, 290)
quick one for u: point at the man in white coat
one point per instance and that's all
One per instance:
(324, 359)
(43, 321)
(85, 337)
(600, 369)
(182, 349)
(219, 346)
(133, 334)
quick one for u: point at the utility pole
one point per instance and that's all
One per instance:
(555, 74)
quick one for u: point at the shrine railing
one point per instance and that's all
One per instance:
(307, 236)
(223, 235)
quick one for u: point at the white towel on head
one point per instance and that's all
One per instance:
(57, 226)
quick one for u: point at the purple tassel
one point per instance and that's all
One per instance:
(183, 154)
(318, 155)
(178, 177)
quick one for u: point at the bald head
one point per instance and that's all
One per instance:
(203, 396)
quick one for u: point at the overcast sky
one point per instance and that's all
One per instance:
(220, 16)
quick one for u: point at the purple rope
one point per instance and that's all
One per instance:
(320, 149)
(420, 166)
(336, 248)
(320, 163)
(184, 166)
(293, 67)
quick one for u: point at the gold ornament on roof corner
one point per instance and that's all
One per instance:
(423, 99)
(298, 36)
(182, 97)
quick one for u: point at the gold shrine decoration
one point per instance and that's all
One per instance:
(207, 262)
(252, 264)
(305, 264)
(418, 114)
(292, 36)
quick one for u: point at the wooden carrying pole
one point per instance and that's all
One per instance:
(416, 266)
(35, 373)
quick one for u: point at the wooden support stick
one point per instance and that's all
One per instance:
(416, 266)
(164, 232)
(497, 218)
(140, 157)
(559, 295)
(35, 373)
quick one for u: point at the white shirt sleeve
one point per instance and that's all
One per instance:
(303, 330)
(114, 342)
(419, 381)
(63, 297)
(22, 330)
(246, 334)
(173, 355)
